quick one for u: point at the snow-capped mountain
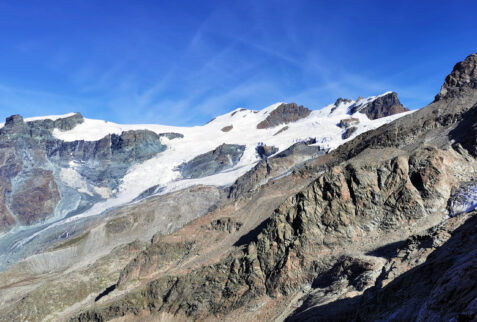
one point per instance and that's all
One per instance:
(66, 167)
(238, 127)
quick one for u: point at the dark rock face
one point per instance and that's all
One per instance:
(283, 114)
(381, 107)
(264, 151)
(349, 126)
(341, 100)
(466, 132)
(351, 269)
(462, 78)
(349, 132)
(346, 123)
(223, 157)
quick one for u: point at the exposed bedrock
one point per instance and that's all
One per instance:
(349, 132)
(264, 151)
(346, 123)
(42, 177)
(283, 114)
(221, 158)
(382, 106)
(461, 80)
(36, 197)
(106, 161)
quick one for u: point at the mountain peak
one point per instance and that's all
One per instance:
(381, 106)
(341, 100)
(14, 120)
(463, 75)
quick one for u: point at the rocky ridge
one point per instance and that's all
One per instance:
(383, 106)
(283, 114)
(365, 196)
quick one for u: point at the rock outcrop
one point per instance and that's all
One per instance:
(462, 79)
(36, 197)
(349, 122)
(223, 157)
(283, 114)
(264, 151)
(227, 128)
(349, 132)
(36, 168)
(226, 224)
(382, 106)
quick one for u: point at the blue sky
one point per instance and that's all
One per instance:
(184, 62)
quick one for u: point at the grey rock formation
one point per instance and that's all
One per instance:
(462, 78)
(341, 100)
(301, 148)
(227, 128)
(283, 114)
(346, 123)
(382, 106)
(349, 132)
(106, 161)
(264, 151)
(223, 157)
(32, 164)
(349, 126)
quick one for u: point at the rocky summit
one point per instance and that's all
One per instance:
(362, 210)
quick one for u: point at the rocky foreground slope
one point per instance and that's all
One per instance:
(380, 228)
(340, 236)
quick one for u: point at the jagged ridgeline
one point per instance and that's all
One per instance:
(362, 210)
